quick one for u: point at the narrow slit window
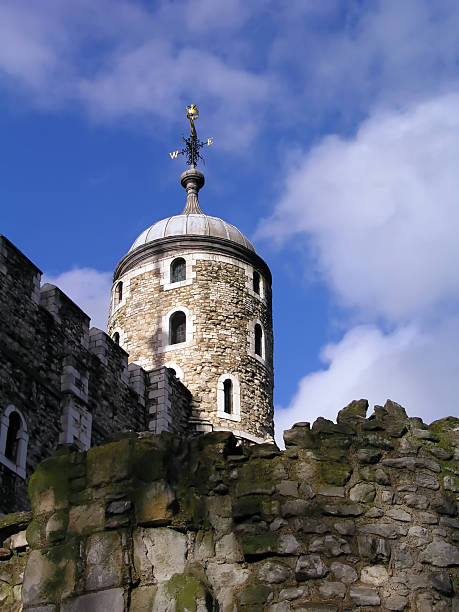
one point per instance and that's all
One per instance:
(12, 437)
(178, 270)
(256, 282)
(258, 340)
(228, 396)
(116, 338)
(118, 293)
(177, 328)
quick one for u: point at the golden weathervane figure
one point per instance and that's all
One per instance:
(192, 144)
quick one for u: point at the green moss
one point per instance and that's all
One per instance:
(260, 545)
(34, 535)
(148, 461)
(186, 590)
(255, 477)
(51, 477)
(254, 594)
(109, 463)
(334, 473)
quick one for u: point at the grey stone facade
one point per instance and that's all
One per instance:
(60, 380)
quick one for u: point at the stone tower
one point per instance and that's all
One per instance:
(192, 295)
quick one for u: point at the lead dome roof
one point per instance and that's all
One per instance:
(192, 224)
(192, 221)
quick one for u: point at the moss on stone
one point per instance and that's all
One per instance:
(253, 594)
(109, 462)
(260, 545)
(48, 485)
(334, 473)
(255, 477)
(186, 591)
(147, 461)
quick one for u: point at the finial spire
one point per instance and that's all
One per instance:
(192, 180)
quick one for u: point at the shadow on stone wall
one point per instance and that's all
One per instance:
(358, 515)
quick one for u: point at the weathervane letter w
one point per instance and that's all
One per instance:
(174, 154)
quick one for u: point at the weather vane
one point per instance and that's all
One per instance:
(192, 144)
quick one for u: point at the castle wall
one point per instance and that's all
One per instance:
(359, 515)
(69, 384)
(222, 309)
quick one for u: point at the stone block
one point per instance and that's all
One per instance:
(86, 519)
(108, 463)
(376, 575)
(48, 578)
(330, 590)
(440, 554)
(310, 567)
(364, 596)
(274, 572)
(362, 492)
(154, 503)
(104, 561)
(343, 572)
(159, 553)
(111, 600)
(329, 545)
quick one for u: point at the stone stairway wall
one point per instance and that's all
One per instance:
(358, 515)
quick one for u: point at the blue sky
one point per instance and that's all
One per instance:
(336, 131)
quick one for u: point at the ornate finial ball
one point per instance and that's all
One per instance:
(192, 112)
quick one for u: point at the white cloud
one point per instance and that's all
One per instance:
(380, 211)
(89, 289)
(413, 367)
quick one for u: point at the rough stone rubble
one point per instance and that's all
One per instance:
(358, 515)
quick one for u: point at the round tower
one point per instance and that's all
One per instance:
(192, 294)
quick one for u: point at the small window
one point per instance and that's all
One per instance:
(116, 338)
(258, 340)
(118, 293)
(256, 282)
(172, 371)
(178, 270)
(228, 396)
(12, 437)
(13, 441)
(177, 328)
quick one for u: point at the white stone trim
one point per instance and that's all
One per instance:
(19, 467)
(249, 284)
(251, 331)
(121, 333)
(76, 424)
(164, 333)
(236, 414)
(165, 272)
(242, 434)
(126, 294)
(177, 368)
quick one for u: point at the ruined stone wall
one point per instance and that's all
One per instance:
(56, 372)
(221, 309)
(359, 515)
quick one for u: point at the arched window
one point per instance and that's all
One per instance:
(258, 340)
(256, 282)
(177, 327)
(116, 338)
(228, 396)
(12, 437)
(178, 270)
(118, 293)
(13, 441)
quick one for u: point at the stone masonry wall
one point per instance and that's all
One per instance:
(358, 515)
(56, 372)
(222, 308)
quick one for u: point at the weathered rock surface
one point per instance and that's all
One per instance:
(163, 524)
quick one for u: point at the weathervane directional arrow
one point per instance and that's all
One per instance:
(192, 144)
